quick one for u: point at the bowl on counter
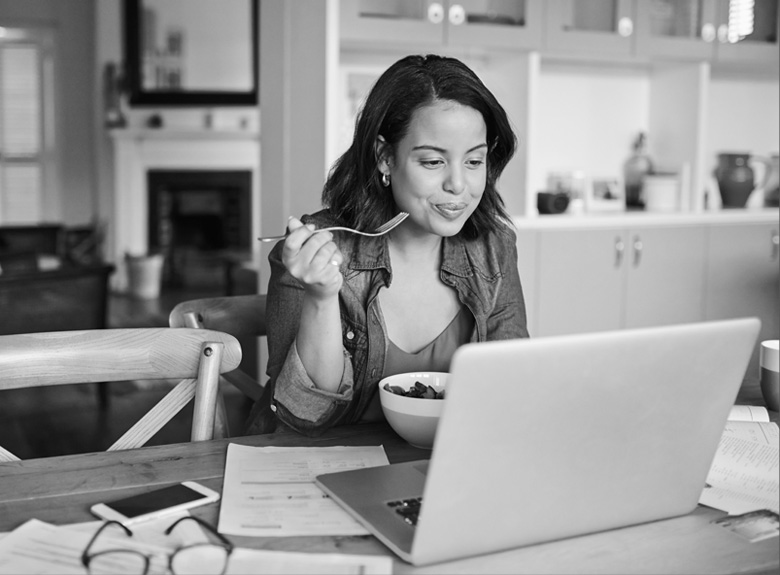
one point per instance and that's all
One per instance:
(413, 418)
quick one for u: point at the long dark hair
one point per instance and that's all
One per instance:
(354, 191)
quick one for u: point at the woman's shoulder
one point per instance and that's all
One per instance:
(500, 241)
(489, 253)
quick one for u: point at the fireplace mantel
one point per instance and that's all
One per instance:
(138, 150)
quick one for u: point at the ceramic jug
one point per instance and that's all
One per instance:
(736, 177)
(772, 183)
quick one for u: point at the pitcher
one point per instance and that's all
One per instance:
(736, 178)
(772, 183)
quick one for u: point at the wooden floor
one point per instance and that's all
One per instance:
(68, 419)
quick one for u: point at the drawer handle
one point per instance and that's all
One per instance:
(620, 249)
(435, 13)
(625, 27)
(708, 32)
(457, 15)
(723, 33)
(775, 244)
(638, 247)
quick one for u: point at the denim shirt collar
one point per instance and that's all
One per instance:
(373, 253)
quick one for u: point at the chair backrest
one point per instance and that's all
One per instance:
(237, 315)
(242, 316)
(196, 356)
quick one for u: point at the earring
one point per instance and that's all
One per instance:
(385, 179)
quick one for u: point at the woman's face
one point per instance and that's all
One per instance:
(438, 172)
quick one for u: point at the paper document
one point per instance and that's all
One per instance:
(270, 491)
(743, 476)
(42, 548)
(748, 413)
(257, 562)
(39, 547)
(758, 431)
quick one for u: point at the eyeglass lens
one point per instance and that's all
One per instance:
(199, 559)
(118, 561)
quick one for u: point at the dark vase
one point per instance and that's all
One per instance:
(735, 179)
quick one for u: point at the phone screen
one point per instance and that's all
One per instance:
(155, 500)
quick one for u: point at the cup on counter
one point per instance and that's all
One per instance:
(769, 376)
(572, 183)
(661, 192)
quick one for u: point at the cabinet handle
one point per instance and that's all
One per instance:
(435, 13)
(723, 33)
(775, 244)
(625, 27)
(457, 15)
(708, 32)
(620, 249)
(638, 247)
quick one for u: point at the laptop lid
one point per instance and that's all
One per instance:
(547, 438)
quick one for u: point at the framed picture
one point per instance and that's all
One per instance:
(605, 195)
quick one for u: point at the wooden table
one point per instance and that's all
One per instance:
(60, 490)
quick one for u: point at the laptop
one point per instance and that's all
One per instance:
(548, 438)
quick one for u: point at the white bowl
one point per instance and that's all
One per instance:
(413, 418)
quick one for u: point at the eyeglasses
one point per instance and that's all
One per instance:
(198, 558)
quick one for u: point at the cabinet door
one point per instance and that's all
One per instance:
(418, 22)
(747, 32)
(590, 27)
(665, 276)
(510, 24)
(743, 277)
(679, 29)
(580, 280)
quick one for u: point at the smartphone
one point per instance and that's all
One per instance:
(156, 503)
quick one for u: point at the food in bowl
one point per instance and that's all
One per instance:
(417, 390)
(413, 418)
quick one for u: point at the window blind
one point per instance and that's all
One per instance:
(21, 137)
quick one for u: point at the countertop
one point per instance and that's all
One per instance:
(638, 218)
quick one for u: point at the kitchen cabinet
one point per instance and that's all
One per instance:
(743, 275)
(618, 277)
(670, 29)
(590, 27)
(701, 30)
(502, 24)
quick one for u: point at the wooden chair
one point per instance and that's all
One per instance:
(195, 356)
(242, 316)
(68, 298)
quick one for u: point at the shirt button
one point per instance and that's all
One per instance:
(350, 335)
(273, 408)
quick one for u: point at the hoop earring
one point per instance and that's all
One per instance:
(385, 179)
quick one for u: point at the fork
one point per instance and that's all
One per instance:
(381, 230)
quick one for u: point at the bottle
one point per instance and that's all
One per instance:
(635, 168)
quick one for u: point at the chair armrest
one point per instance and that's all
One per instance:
(241, 316)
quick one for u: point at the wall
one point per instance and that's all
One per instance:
(743, 115)
(588, 117)
(74, 24)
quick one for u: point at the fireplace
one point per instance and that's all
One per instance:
(203, 183)
(196, 219)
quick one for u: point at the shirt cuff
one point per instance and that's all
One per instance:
(297, 393)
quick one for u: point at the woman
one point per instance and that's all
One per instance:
(344, 310)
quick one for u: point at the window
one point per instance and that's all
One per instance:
(25, 85)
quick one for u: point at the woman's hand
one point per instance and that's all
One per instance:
(313, 259)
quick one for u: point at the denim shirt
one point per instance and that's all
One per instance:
(483, 272)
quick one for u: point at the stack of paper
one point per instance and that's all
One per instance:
(270, 491)
(42, 548)
(744, 472)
